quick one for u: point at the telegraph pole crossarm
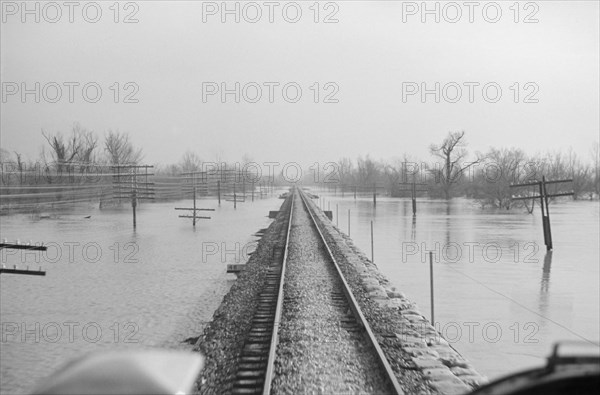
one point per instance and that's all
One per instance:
(127, 185)
(367, 188)
(412, 187)
(192, 187)
(543, 196)
(18, 246)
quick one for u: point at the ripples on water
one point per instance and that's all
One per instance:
(147, 288)
(501, 308)
(159, 290)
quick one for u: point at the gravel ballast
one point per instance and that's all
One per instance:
(223, 338)
(424, 362)
(422, 359)
(319, 351)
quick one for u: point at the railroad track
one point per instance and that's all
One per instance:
(257, 365)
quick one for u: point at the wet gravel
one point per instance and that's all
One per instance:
(321, 349)
(384, 322)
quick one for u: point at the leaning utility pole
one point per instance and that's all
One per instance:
(543, 196)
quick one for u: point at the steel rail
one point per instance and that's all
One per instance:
(359, 316)
(269, 375)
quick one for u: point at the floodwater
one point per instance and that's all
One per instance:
(499, 298)
(109, 287)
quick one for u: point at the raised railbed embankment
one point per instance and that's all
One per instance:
(223, 338)
(423, 360)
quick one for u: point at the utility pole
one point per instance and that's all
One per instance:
(413, 191)
(129, 186)
(367, 189)
(194, 215)
(219, 191)
(543, 196)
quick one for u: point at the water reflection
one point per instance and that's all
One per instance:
(545, 283)
(546, 272)
(160, 278)
(448, 202)
(499, 286)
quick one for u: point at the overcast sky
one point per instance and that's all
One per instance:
(370, 57)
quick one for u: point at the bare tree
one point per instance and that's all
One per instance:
(452, 151)
(120, 150)
(579, 172)
(72, 154)
(88, 142)
(20, 166)
(367, 170)
(168, 170)
(63, 152)
(555, 166)
(344, 169)
(79, 147)
(393, 176)
(6, 167)
(503, 167)
(190, 162)
(4, 155)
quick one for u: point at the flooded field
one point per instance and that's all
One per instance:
(500, 299)
(110, 287)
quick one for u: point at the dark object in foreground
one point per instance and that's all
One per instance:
(21, 271)
(18, 246)
(151, 371)
(564, 374)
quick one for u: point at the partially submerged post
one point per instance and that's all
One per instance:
(368, 189)
(412, 186)
(543, 196)
(372, 248)
(374, 195)
(431, 284)
(348, 222)
(127, 186)
(234, 196)
(133, 205)
(219, 191)
(191, 186)
(194, 217)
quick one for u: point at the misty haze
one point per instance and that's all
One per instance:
(326, 197)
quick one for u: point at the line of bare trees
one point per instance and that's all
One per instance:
(69, 158)
(450, 171)
(484, 177)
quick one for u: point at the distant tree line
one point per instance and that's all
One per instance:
(83, 157)
(69, 158)
(485, 177)
(70, 168)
